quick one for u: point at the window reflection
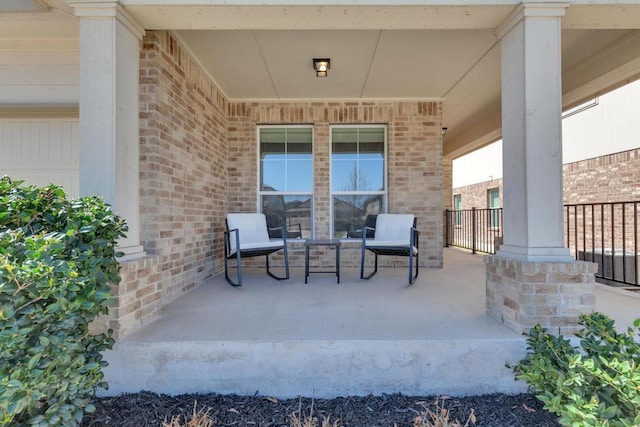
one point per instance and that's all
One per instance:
(289, 211)
(357, 159)
(350, 213)
(286, 159)
(357, 176)
(286, 176)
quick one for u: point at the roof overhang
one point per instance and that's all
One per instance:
(379, 50)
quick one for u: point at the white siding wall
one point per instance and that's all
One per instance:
(39, 71)
(41, 152)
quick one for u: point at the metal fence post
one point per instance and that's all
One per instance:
(447, 233)
(473, 230)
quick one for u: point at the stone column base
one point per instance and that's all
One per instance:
(522, 294)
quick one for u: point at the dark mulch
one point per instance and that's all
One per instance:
(149, 409)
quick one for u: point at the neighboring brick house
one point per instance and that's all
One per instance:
(610, 178)
(608, 227)
(476, 195)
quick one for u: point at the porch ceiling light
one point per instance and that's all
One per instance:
(443, 131)
(322, 66)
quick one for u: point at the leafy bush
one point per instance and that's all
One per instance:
(57, 263)
(597, 384)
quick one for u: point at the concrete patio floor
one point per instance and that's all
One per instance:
(325, 339)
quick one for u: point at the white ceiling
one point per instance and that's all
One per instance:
(406, 49)
(462, 67)
(364, 63)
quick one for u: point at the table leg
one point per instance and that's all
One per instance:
(338, 262)
(306, 263)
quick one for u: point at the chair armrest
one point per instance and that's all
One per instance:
(415, 237)
(282, 233)
(227, 238)
(282, 229)
(294, 226)
(364, 232)
(354, 231)
(298, 226)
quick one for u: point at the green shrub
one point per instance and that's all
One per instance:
(57, 263)
(597, 384)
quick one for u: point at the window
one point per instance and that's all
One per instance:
(493, 203)
(358, 178)
(286, 175)
(457, 206)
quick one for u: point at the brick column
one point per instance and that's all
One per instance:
(447, 192)
(447, 183)
(523, 294)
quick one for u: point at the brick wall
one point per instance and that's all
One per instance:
(193, 142)
(475, 195)
(415, 167)
(523, 294)
(447, 184)
(611, 178)
(183, 131)
(140, 295)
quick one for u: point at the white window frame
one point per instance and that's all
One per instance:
(457, 210)
(261, 193)
(384, 193)
(494, 215)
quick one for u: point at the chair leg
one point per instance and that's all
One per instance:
(362, 262)
(375, 267)
(226, 268)
(286, 260)
(413, 277)
(286, 267)
(413, 241)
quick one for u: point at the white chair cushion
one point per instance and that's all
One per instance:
(373, 243)
(387, 243)
(252, 228)
(393, 228)
(275, 243)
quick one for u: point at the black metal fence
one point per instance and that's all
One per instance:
(479, 230)
(607, 234)
(604, 233)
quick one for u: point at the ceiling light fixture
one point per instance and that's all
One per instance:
(322, 66)
(443, 131)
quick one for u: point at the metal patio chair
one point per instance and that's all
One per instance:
(394, 234)
(247, 236)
